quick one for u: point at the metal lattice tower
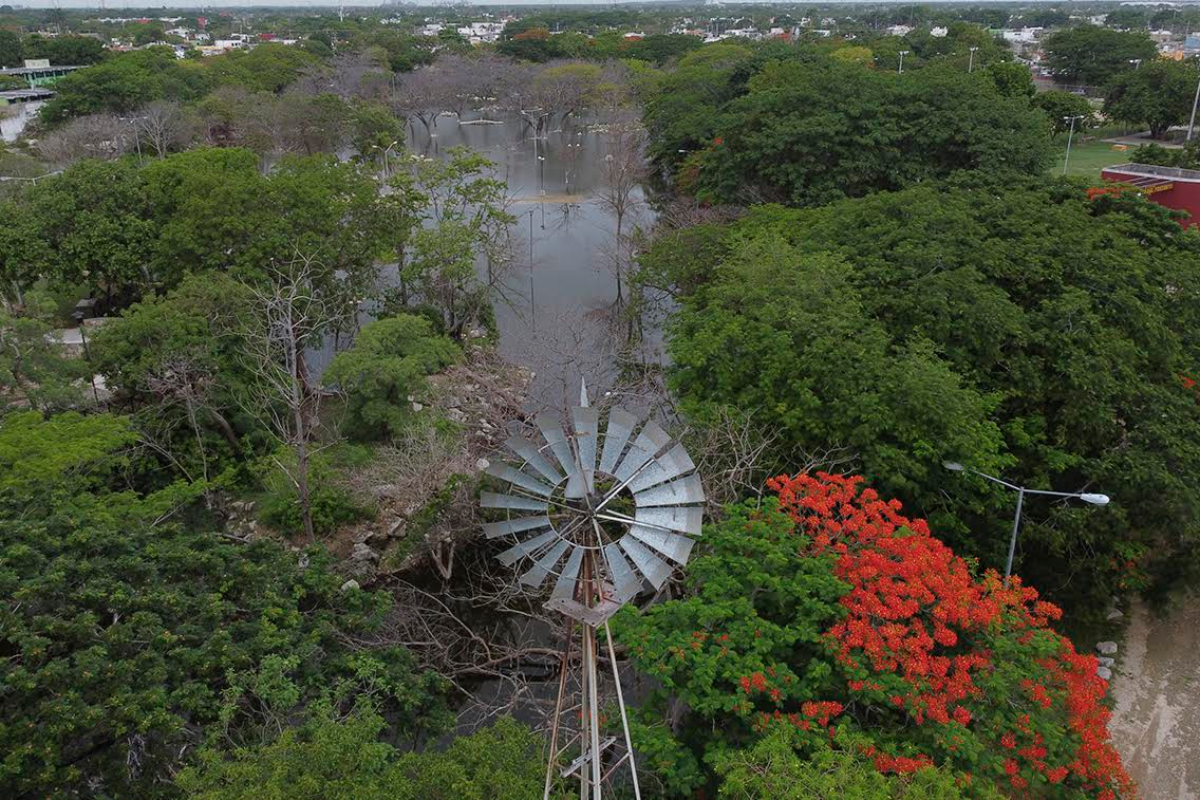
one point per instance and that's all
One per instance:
(605, 507)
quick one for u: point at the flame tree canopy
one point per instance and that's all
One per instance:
(826, 616)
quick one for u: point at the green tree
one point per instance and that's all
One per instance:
(780, 346)
(1061, 107)
(1093, 55)
(331, 757)
(1159, 94)
(123, 83)
(1011, 79)
(771, 768)
(808, 134)
(388, 362)
(129, 636)
(12, 50)
(1015, 291)
(34, 369)
(265, 68)
(682, 114)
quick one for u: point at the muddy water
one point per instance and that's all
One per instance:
(1156, 693)
(558, 311)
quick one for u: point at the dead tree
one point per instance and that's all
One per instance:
(164, 126)
(288, 315)
(622, 174)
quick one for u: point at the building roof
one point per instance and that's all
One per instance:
(1152, 173)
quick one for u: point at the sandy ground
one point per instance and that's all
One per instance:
(1156, 689)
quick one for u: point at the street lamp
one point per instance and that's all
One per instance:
(903, 53)
(1137, 63)
(1192, 122)
(387, 167)
(1087, 497)
(971, 62)
(1070, 136)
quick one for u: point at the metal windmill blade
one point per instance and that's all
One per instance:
(600, 497)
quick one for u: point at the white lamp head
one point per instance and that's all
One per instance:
(1094, 499)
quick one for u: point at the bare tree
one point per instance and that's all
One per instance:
(622, 173)
(102, 136)
(289, 315)
(164, 126)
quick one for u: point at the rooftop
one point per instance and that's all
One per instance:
(1155, 171)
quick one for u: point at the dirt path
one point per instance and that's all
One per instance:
(1156, 719)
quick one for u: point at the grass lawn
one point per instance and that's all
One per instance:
(1087, 158)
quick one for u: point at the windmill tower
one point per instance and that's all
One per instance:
(603, 529)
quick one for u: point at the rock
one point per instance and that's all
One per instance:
(417, 406)
(363, 553)
(1105, 661)
(1114, 613)
(411, 398)
(350, 584)
(482, 464)
(456, 415)
(1107, 648)
(303, 562)
(453, 402)
(384, 491)
(397, 528)
(237, 505)
(1104, 672)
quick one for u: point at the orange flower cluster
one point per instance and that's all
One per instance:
(916, 612)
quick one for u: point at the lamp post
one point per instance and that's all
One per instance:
(1192, 122)
(78, 316)
(903, 53)
(971, 61)
(1087, 497)
(1070, 136)
(387, 167)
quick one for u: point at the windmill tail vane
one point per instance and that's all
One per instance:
(606, 505)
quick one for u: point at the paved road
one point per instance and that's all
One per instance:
(1156, 719)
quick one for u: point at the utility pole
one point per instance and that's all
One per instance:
(971, 62)
(903, 53)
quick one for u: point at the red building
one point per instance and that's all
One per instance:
(1168, 186)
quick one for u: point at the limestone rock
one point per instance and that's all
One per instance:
(1107, 648)
(1114, 613)
(1104, 672)
(1105, 661)
(350, 584)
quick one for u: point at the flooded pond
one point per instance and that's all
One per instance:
(14, 118)
(560, 300)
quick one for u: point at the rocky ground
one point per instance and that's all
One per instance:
(1156, 691)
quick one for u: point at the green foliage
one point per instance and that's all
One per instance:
(1024, 330)
(332, 757)
(1012, 79)
(1158, 94)
(127, 636)
(1061, 107)
(771, 768)
(75, 51)
(125, 230)
(749, 587)
(12, 49)
(775, 332)
(388, 362)
(34, 371)
(332, 506)
(1093, 55)
(38, 454)
(267, 67)
(123, 83)
(808, 134)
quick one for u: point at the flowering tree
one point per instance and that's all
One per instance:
(877, 641)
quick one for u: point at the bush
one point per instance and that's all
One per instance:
(388, 362)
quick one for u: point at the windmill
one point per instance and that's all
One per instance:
(604, 509)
